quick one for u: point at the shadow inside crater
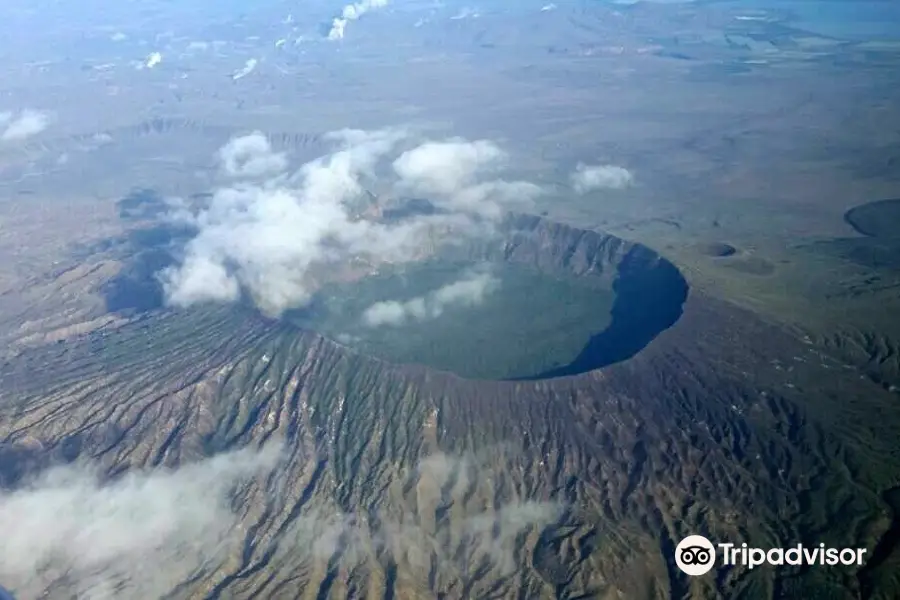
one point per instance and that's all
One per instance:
(649, 291)
(566, 301)
(649, 300)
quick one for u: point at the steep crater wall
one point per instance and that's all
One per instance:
(591, 300)
(650, 290)
(566, 301)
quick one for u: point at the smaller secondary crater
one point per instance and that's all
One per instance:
(879, 219)
(718, 249)
(879, 246)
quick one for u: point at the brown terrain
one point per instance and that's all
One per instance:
(373, 480)
(747, 389)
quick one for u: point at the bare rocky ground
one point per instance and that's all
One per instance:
(284, 465)
(356, 478)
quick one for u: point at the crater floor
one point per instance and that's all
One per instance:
(516, 321)
(516, 308)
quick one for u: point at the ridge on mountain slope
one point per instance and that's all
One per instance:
(399, 481)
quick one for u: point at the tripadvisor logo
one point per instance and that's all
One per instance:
(695, 555)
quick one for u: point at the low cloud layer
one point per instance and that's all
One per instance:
(468, 291)
(23, 124)
(251, 156)
(274, 236)
(457, 173)
(488, 538)
(587, 178)
(146, 533)
(483, 530)
(352, 12)
(135, 537)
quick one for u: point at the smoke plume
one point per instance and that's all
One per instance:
(352, 12)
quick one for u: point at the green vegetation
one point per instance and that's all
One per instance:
(531, 323)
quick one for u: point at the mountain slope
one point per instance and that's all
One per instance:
(323, 473)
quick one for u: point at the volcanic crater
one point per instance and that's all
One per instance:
(435, 485)
(550, 301)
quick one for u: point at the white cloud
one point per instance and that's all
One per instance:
(201, 278)
(490, 538)
(251, 156)
(468, 291)
(587, 178)
(491, 198)
(489, 534)
(441, 167)
(153, 59)
(352, 12)
(466, 13)
(23, 125)
(471, 290)
(391, 312)
(338, 26)
(249, 67)
(449, 174)
(276, 240)
(145, 531)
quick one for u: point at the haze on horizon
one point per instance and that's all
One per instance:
(404, 298)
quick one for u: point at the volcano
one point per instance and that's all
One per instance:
(220, 454)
